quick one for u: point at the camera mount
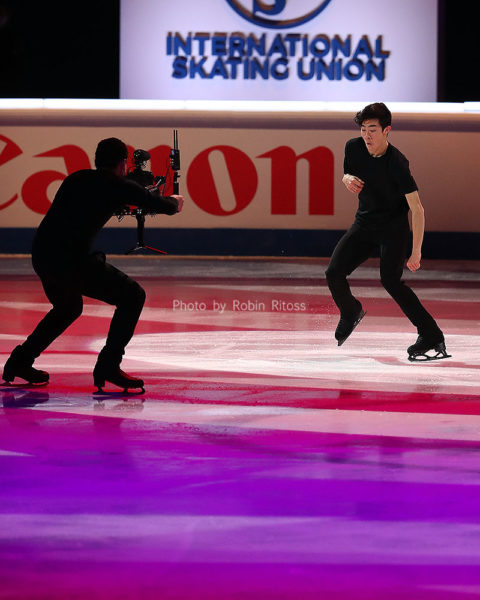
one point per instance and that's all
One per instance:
(148, 180)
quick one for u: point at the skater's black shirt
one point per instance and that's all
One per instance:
(85, 201)
(381, 203)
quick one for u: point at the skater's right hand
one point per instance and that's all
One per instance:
(352, 183)
(413, 263)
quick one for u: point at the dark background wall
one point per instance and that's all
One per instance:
(71, 50)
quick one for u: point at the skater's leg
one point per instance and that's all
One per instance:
(430, 336)
(67, 306)
(108, 284)
(393, 253)
(351, 251)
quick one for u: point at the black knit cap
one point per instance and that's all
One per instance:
(110, 153)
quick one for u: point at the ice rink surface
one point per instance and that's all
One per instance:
(263, 461)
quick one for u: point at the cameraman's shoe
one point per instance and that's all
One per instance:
(20, 365)
(108, 370)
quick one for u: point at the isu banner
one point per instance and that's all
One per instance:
(279, 50)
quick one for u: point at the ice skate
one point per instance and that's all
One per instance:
(20, 365)
(346, 326)
(107, 370)
(418, 352)
(113, 374)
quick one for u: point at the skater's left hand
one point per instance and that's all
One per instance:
(413, 263)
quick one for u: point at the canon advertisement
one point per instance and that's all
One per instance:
(279, 50)
(274, 178)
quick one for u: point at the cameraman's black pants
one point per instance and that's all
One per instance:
(354, 248)
(95, 279)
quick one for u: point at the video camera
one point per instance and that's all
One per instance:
(139, 173)
(152, 182)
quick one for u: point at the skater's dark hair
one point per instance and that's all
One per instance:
(377, 110)
(110, 153)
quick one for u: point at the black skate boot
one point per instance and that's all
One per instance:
(417, 352)
(347, 325)
(20, 365)
(108, 369)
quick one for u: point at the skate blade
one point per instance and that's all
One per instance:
(359, 318)
(426, 358)
(116, 393)
(24, 386)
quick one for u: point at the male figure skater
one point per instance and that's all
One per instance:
(379, 173)
(62, 258)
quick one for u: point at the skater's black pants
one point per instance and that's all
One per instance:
(94, 279)
(354, 248)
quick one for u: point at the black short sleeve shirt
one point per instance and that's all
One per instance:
(382, 202)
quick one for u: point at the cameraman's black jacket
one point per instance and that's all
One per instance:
(85, 201)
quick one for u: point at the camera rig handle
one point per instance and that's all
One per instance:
(175, 162)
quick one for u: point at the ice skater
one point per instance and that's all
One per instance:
(380, 174)
(62, 258)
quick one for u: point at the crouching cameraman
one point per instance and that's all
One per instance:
(62, 258)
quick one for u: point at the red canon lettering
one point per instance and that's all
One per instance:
(200, 178)
(34, 190)
(201, 183)
(9, 152)
(284, 180)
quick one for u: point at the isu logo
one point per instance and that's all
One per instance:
(279, 14)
